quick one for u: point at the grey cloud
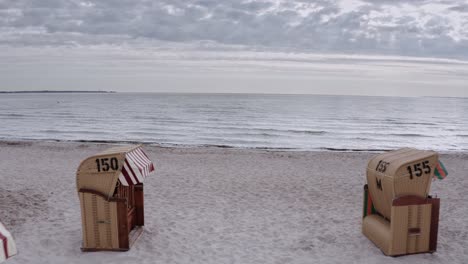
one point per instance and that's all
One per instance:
(398, 2)
(296, 25)
(460, 8)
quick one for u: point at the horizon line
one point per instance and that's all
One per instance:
(217, 93)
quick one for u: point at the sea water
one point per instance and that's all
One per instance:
(290, 122)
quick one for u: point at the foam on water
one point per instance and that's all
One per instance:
(296, 122)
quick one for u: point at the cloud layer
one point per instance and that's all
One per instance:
(179, 69)
(436, 28)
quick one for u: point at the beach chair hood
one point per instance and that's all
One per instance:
(101, 173)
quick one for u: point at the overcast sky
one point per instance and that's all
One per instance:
(383, 47)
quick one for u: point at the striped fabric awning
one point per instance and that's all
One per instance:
(136, 167)
(7, 244)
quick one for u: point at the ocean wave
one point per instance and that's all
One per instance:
(274, 130)
(414, 123)
(107, 141)
(77, 132)
(309, 132)
(11, 115)
(409, 135)
(355, 150)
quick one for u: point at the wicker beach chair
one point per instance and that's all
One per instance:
(399, 216)
(110, 189)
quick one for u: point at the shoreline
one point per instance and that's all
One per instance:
(207, 146)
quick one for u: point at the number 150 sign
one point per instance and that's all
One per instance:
(106, 164)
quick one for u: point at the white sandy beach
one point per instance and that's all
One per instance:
(212, 205)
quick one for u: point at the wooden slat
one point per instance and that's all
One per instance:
(130, 219)
(399, 230)
(434, 224)
(90, 241)
(410, 200)
(83, 218)
(114, 225)
(102, 222)
(122, 225)
(139, 205)
(411, 241)
(425, 225)
(112, 199)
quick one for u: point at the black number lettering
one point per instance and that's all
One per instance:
(410, 171)
(385, 164)
(379, 184)
(114, 164)
(426, 167)
(378, 166)
(105, 164)
(382, 166)
(98, 165)
(417, 169)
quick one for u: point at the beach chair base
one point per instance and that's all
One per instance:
(133, 237)
(412, 230)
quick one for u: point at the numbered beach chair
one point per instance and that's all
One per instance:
(110, 189)
(399, 216)
(7, 244)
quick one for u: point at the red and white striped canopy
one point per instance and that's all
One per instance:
(136, 167)
(7, 244)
